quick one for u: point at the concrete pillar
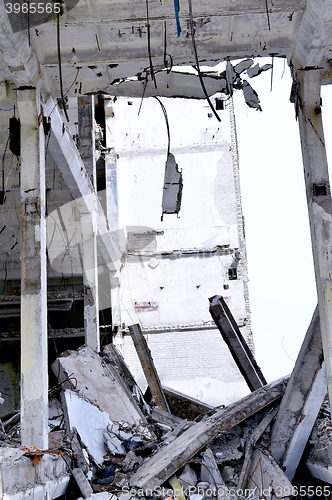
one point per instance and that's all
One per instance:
(86, 147)
(319, 201)
(90, 281)
(34, 369)
(86, 134)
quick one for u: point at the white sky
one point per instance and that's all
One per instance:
(282, 284)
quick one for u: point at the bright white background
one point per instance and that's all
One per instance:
(282, 285)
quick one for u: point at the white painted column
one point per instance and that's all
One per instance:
(34, 369)
(319, 201)
(90, 281)
(86, 135)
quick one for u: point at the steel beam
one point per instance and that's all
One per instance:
(237, 345)
(149, 369)
(34, 366)
(319, 201)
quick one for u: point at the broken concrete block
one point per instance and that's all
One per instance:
(113, 444)
(171, 457)
(120, 480)
(266, 479)
(89, 421)
(55, 439)
(227, 474)
(209, 470)
(97, 385)
(188, 477)
(82, 483)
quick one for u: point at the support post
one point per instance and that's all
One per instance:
(149, 369)
(34, 369)
(86, 135)
(319, 201)
(86, 147)
(90, 282)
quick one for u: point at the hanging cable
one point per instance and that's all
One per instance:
(177, 9)
(60, 69)
(268, 16)
(167, 125)
(197, 63)
(78, 70)
(140, 106)
(170, 65)
(149, 44)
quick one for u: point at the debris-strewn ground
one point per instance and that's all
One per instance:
(226, 453)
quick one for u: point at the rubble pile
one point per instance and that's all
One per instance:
(116, 443)
(119, 444)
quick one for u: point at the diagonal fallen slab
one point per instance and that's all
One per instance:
(170, 458)
(237, 345)
(301, 403)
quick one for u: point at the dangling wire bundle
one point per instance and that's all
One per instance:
(197, 62)
(60, 69)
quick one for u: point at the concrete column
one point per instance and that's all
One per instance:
(90, 281)
(34, 369)
(86, 147)
(86, 134)
(319, 201)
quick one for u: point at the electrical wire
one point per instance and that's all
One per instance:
(167, 66)
(268, 16)
(60, 68)
(78, 70)
(197, 62)
(149, 44)
(167, 125)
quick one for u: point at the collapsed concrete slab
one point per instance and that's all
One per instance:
(301, 402)
(97, 384)
(171, 457)
(89, 421)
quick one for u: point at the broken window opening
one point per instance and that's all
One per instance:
(319, 189)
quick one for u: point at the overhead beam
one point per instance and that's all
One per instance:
(72, 169)
(19, 55)
(313, 34)
(319, 201)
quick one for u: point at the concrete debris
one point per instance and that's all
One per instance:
(257, 70)
(144, 451)
(250, 96)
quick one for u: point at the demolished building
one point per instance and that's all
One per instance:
(75, 50)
